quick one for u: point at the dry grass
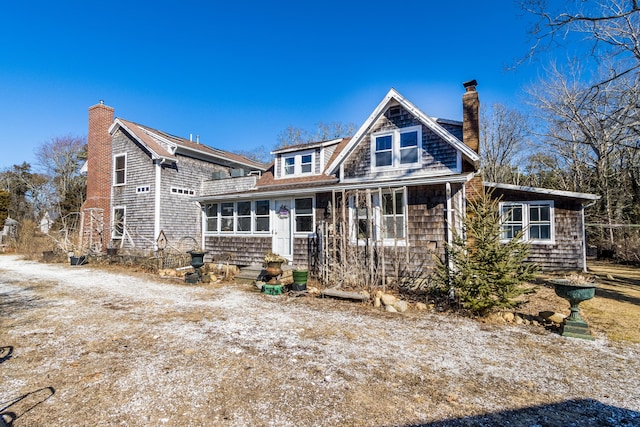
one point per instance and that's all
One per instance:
(615, 310)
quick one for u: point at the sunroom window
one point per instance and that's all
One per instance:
(262, 215)
(238, 217)
(383, 221)
(304, 215)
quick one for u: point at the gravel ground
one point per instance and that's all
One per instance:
(80, 346)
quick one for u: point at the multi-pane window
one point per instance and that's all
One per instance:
(532, 220)
(297, 163)
(119, 169)
(289, 165)
(304, 215)
(539, 222)
(243, 218)
(117, 220)
(512, 223)
(396, 148)
(226, 216)
(238, 217)
(211, 212)
(408, 147)
(306, 163)
(383, 219)
(262, 216)
(393, 215)
(384, 150)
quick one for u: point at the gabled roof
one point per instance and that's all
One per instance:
(548, 191)
(164, 146)
(427, 121)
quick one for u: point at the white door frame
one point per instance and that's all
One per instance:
(282, 243)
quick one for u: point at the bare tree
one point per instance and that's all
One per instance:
(503, 143)
(61, 158)
(592, 134)
(324, 131)
(610, 29)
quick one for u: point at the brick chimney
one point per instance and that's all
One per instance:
(471, 135)
(97, 206)
(471, 116)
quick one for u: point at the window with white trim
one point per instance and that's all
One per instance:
(294, 164)
(120, 169)
(304, 215)
(143, 189)
(243, 217)
(533, 221)
(384, 220)
(397, 148)
(262, 216)
(211, 213)
(393, 215)
(238, 217)
(183, 191)
(118, 222)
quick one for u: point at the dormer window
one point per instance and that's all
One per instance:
(295, 164)
(397, 148)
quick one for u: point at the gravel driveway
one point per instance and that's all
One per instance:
(81, 346)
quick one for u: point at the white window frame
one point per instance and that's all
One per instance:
(527, 222)
(297, 215)
(396, 150)
(235, 218)
(181, 191)
(296, 167)
(115, 171)
(143, 189)
(255, 216)
(246, 217)
(377, 220)
(215, 217)
(115, 236)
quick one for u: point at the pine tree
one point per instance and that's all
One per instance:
(484, 273)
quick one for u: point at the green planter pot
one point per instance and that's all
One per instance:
(299, 280)
(300, 276)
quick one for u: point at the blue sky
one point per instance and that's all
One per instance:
(238, 73)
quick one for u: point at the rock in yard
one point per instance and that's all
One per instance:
(390, 309)
(508, 316)
(552, 316)
(401, 306)
(420, 306)
(388, 299)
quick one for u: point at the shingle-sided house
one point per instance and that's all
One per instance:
(142, 181)
(393, 194)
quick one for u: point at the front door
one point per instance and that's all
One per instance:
(282, 243)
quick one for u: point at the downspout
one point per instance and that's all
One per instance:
(203, 222)
(584, 238)
(449, 238)
(156, 213)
